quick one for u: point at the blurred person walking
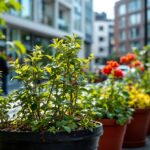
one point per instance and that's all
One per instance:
(3, 72)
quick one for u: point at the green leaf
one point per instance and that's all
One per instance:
(20, 48)
(67, 129)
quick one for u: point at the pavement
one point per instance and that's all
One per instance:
(13, 85)
(146, 147)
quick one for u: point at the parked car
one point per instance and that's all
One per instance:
(124, 68)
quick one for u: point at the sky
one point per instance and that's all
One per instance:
(105, 6)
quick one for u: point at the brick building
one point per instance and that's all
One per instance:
(130, 25)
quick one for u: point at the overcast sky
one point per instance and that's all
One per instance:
(105, 6)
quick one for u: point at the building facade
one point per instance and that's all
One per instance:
(103, 42)
(41, 20)
(130, 25)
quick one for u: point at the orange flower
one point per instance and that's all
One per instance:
(131, 57)
(124, 60)
(113, 64)
(137, 63)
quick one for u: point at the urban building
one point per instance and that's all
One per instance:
(131, 25)
(41, 20)
(103, 42)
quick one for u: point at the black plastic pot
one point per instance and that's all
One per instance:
(77, 140)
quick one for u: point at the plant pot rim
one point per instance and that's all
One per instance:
(30, 136)
(142, 110)
(112, 122)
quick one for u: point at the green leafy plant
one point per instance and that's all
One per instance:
(50, 99)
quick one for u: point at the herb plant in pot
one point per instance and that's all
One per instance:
(47, 109)
(109, 105)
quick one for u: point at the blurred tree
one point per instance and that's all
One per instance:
(6, 6)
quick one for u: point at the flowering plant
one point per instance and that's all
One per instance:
(131, 60)
(138, 98)
(137, 68)
(109, 100)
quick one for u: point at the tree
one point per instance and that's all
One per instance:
(6, 6)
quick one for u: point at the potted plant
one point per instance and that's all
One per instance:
(136, 131)
(46, 112)
(109, 105)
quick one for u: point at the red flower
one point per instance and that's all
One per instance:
(113, 64)
(118, 73)
(130, 57)
(106, 70)
(137, 63)
(142, 68)
(124, 60)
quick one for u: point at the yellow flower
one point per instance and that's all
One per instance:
(138, 99)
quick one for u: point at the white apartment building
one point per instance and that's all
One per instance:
(41, 20)
(102, 46)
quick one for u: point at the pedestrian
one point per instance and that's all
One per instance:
(3, 72)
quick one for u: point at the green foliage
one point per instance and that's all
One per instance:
(144, 56)
(49, 98)
(6, 6)
(145, 81)
(18, 47)
(107, 105)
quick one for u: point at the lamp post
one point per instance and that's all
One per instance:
(145, 23)
(145, 33)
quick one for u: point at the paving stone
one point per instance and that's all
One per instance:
(146, 147)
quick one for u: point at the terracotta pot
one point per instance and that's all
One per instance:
(113, 136)
(148, 132)
(137, 130)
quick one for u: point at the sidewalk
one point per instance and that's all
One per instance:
(146, 147)
(12, 85)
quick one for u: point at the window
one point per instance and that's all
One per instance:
(148, 30)
(148, 3)
(122, 35)
(27, 40)
(27, 9)
(148, 15)
(77, 22)
(134, 5)
(135, 44)
(77, 18)
(101, 49)
(135, 19)
(60, 14)
(47, 13)
(122, 48)
(111, 26)
(101, 39)
(122, 9)
(122, 22)
(101, 28)
(134, 33)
